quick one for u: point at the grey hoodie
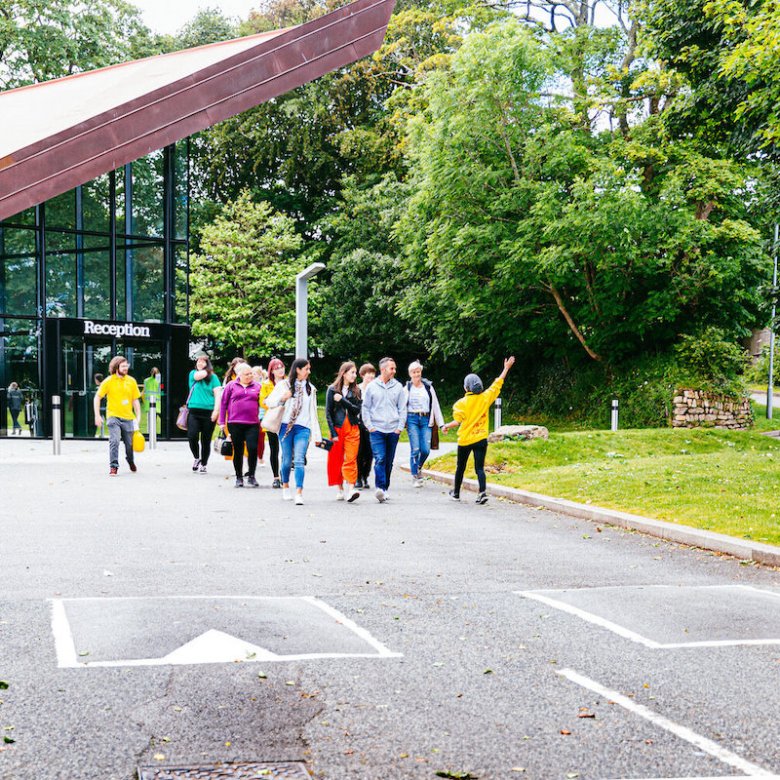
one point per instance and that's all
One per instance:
(384, 406)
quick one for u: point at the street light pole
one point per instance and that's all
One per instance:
(771, 382)
(302, 308)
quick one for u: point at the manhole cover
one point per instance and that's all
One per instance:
(287, 770)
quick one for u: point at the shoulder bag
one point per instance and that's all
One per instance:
(184, 412)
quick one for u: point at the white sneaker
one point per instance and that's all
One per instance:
(340, 495)
(380, 495)
(418, 482)
(354, 493)
(387, 495)
(286, 494)
(298, 499)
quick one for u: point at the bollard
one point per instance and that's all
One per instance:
(152, 423)
(56, 424)
(614, 425)
(497, 415)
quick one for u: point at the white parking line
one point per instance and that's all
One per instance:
(702, 743)
(211, 646)
(626, 633)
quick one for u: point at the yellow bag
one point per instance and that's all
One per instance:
(138, 441)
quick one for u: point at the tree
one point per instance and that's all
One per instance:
(48, 39)
(525, 228)
(243, 279)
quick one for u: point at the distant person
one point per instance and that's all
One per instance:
(203, 405)
(423, 412)
(384, 414)
(15, 402)
(471, 414)
(276, 374)
(230, 374)
(342, 411)
(299, 424)
(151, 391)
(123, 410)
(260, 376)
(102, 431)
(239, 410)
(365, 457)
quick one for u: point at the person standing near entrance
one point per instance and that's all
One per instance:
(365, 457)
(471, 414)
(15, 401)
(384, 415)
(152, 387)
(203, 403)
(342, 411)
(423, 412)
(123, 410)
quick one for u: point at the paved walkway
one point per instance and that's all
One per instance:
(165, 618)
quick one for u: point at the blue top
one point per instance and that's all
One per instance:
(203, 393)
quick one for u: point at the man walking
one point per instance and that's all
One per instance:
(123, 410)
(384, 416)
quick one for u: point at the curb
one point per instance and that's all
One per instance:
(745, 550)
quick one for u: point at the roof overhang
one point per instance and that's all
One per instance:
(97, 121)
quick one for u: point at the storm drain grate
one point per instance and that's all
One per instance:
(286, 770)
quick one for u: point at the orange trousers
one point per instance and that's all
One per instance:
(342, 457)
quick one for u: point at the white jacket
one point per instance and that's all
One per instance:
(275, 399)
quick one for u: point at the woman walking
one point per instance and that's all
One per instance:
(365, 456)
(203, 403)
(299, 424)
(471, 414)
(275, 376)
(238, 416)
(342, 411)
(423, 412)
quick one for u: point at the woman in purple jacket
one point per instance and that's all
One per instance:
(238, 418)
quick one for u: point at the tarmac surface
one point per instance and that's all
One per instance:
(165, 619)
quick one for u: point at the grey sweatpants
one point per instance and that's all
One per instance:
(119, 429)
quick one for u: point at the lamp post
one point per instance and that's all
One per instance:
(771, 382)
(302, 308)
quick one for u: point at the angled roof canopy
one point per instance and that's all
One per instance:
(62, 133)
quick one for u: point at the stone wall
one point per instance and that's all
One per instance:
(700, 409)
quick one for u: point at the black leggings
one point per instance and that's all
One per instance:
(241, 434)
(273, 446)
(200, 427)
(479, 448)
(365, 455)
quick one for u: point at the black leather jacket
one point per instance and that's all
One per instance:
(336, 411)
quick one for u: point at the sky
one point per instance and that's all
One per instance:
(169, 16)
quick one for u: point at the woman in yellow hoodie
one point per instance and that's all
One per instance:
(471, 414)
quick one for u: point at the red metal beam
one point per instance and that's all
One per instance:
(126, 132)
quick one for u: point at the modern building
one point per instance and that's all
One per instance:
(94, 203)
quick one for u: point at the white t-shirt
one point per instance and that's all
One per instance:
(418, 400)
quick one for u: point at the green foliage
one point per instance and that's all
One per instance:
(713, 362)
(243, 279)
(47, 39)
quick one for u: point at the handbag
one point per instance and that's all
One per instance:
(325, 444)
(184, 412)
(272, 420)
(435, 437)
(226, 448)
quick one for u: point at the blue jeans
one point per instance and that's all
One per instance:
(294, 449)
(419, 440)
(383, 446)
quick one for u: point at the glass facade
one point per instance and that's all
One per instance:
(114, 250)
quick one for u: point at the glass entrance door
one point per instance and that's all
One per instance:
(144, 356)
(85, 366)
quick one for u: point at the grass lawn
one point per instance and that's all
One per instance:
(724, 481)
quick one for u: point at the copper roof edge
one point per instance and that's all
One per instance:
(275, 65)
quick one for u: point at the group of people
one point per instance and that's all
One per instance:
(366, 413)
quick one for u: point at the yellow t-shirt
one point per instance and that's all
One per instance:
(471, 412)
(266, 390)
(120, 393)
